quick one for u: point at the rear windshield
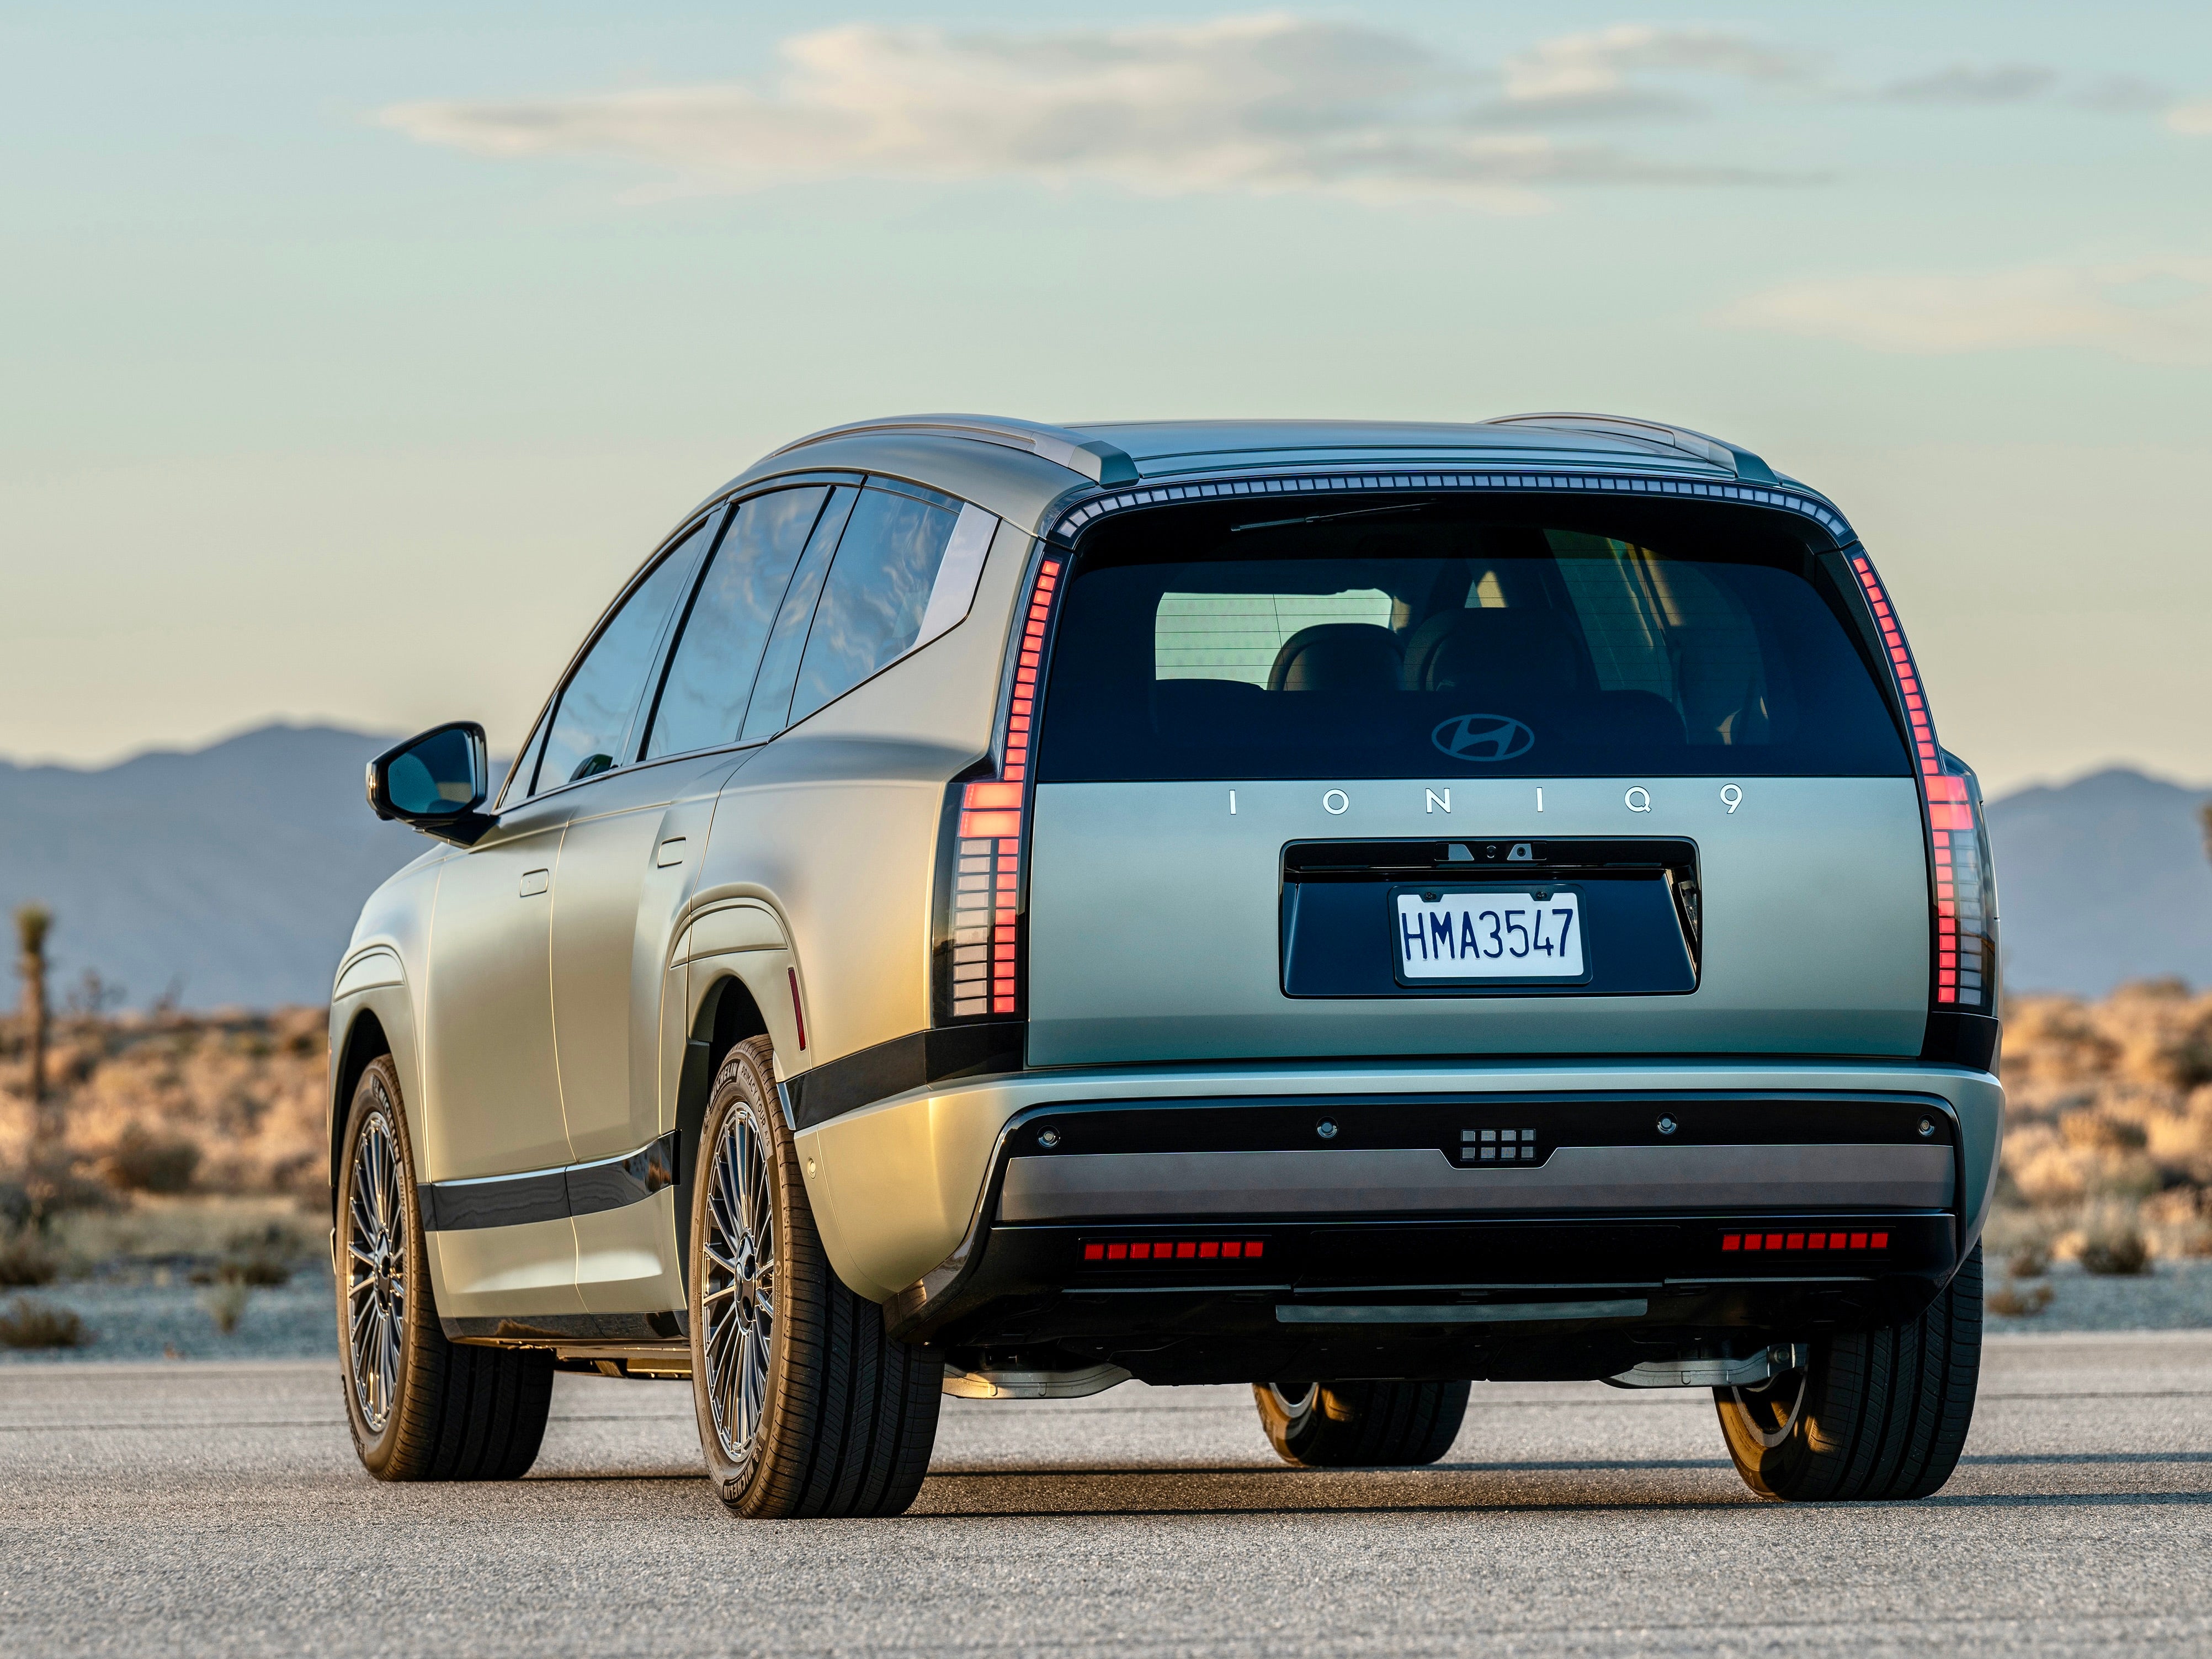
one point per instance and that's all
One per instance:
(1516, 636)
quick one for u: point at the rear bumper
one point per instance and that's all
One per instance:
(1586, 1296)
(947, 1206)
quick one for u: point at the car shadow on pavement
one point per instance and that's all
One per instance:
(1003, 1494)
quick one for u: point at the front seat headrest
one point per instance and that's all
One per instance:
(1338, 657)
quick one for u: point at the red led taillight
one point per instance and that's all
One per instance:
(1794, 1242)
(1965, 977)
(993, 819)
(1157, 1250)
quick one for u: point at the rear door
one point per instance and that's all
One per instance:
(631, 853)
(1353, 786)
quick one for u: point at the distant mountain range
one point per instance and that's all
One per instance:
(2102, 880)
(234, 873)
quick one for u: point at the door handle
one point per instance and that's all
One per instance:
(672, 852)
(535, 882)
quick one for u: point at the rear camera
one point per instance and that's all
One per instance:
(1049, 1139)
(1326, 1128)
(1927, 1128)
(1668, 1126)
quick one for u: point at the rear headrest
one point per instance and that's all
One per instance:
(1507, 655)
(1338, 657)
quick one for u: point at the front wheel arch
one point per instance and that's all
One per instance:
(365, 1041)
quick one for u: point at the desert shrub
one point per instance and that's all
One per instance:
(26, 1258)
(143, 1163)
(263, 1255)
(2096, 1131)
(2029, 1262)
(27, 1322)
(225, 1303)
(2178, 1223)
(2020, 1301)
(2118, 1252)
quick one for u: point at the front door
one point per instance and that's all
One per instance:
(494, 1095)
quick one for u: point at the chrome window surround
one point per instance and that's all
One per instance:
(1339, 482)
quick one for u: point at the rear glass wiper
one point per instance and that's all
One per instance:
(1322, 518)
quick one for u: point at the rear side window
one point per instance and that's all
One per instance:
(769, 711)
(878, 588)
(718, 652)
(596, 705)
(1501, 638)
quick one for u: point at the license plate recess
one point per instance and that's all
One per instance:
(1489, 934)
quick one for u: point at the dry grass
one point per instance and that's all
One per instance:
(226, 1303)
(2017, 1301)
(27, 1322)
(26, 1258)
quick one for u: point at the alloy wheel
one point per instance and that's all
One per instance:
(1771, 1409)
(738, 1297)
(376, 1271)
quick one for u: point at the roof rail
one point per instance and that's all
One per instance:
(1718, 451)
(1096, 459)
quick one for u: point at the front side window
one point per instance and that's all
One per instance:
(1528, 637)
(594, 712)
(877, 590)
(718, 652)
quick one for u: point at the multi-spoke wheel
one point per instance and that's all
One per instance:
(1873, 1414)
(421, 1407)
(376, 1268)
(1340, 1425)
(737, 1300)
(805, 1405)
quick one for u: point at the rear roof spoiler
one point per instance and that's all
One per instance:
(1095, 459)
(1715, 451)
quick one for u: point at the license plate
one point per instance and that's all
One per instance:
(1491, 933)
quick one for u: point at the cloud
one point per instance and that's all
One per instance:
(2194, 119)
(1257, 105)
(2152, 310)
(1964, 86)
(1577, 69)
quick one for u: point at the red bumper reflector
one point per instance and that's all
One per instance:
(1787, 1241)
(1177, 1250)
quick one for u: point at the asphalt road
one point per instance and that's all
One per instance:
(207, 1508)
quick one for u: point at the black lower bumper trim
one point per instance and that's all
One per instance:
(1090, 1286)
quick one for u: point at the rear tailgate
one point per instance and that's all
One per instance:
(1270, 747)
(1156, 926)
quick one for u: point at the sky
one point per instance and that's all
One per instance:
(355, 355)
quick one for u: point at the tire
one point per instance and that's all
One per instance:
(421, 1408)
(1334, 1426)
(1875, 1416)
(805, 1407)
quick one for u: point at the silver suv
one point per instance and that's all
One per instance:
(999, 909)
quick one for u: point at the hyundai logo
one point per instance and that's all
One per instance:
(1483, 737)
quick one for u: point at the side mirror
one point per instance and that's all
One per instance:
(434, 782)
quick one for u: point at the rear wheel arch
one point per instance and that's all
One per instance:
(727, 1015)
